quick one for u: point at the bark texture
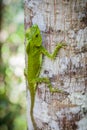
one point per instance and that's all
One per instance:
(61, 20)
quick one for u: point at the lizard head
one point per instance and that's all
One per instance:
(33, 35)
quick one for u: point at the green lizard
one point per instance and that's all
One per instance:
(35, 50)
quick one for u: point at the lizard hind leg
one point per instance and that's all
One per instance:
(49, 85)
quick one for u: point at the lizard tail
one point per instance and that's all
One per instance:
(32, 95)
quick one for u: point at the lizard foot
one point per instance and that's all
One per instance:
(56, 90)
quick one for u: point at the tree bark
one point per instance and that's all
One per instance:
(64, 20)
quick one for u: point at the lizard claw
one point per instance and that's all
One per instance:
(56, 90)
(63, 44)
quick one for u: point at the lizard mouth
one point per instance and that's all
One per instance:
(39, 43)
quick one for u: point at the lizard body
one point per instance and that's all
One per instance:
(35, 50)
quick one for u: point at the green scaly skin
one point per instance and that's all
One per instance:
(35, 50)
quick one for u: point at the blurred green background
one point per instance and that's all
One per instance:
(12, 81)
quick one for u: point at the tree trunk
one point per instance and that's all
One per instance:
(61, 20)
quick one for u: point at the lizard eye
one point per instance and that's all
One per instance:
(36, 35)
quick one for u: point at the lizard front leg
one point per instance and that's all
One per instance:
(56, 50)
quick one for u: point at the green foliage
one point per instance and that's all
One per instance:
(11, 9)
(17, 37)
(20, 123)
(12, 109)
(8, 113)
